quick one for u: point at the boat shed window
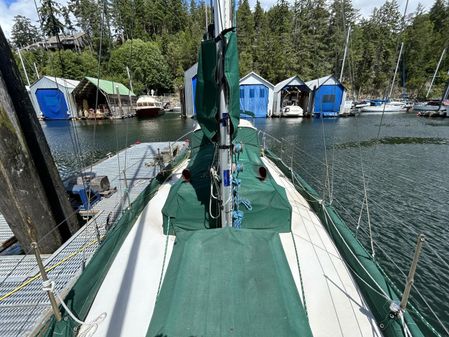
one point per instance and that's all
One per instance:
(242, 93)
(329, 99)
(261, 93)
(251, 93)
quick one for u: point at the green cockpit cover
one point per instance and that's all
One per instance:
(228, 282)
(187, 204)
(207, 93)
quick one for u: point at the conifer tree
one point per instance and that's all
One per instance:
(23, 32)
(245, 33)
(49, 13)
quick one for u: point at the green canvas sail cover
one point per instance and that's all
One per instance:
(207, 93)
(187, 204)
(228, 282)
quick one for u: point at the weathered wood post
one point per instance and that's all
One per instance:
(32, 196)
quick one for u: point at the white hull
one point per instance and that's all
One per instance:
(427, 107)
(291, 114)
(384, 108)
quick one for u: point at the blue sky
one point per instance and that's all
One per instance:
(11, 8)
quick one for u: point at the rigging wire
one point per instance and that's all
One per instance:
(395, 264)
(72, 132)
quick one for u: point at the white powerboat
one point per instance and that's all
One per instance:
(292, 111)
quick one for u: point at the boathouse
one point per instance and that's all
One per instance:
(328, 96)
(291, 91)
(52, 97)
(190, 90)
(256, 95)
(114, 99)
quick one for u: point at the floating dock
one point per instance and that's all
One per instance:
(23, 304)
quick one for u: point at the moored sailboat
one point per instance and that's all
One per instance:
(230, 241)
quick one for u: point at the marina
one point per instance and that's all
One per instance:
(404, 139)
(216, 219)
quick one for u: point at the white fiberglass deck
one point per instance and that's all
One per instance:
(128, 293)
(334, 304)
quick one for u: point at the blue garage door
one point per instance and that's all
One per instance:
(52, 103)
(328, 100)
(194, 93)
(254, 98)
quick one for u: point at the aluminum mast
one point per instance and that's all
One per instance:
(222, 21)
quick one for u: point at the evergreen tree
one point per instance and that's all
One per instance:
(420, 59)
(245, 33)
(261, 32)
(49, 13)
(23, 33)
(342, 16)
(280, 63)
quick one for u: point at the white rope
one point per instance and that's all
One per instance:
(49, 286)
(405, 328)
(214, 179)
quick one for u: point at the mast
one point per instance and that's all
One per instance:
(436, 72)
(23, 67)
(396, 70)
(223, 20)
(344, 54)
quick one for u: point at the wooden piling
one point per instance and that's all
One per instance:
(32, 199)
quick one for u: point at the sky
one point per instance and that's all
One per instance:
(11, 8)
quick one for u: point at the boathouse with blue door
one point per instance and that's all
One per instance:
(52, 97)
(256, 95)
(328, 96)
(291, 91)
(190, 90)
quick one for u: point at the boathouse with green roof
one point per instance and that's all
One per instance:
(114, 100)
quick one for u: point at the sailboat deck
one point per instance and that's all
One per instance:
(325, 277)
(334, 304)
(128, 292)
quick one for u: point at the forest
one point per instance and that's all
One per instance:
(158, 40)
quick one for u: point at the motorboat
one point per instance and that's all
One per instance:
(292, 111)
(148, 106)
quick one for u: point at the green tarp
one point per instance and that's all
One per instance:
(228, 282)
(207, 93)
(187, 205)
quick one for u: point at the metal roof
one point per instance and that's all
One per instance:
(107, 87)
(325, 80)
(257, 77)
(62, 82)
(294, 80)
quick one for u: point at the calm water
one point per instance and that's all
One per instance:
(406, 173)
